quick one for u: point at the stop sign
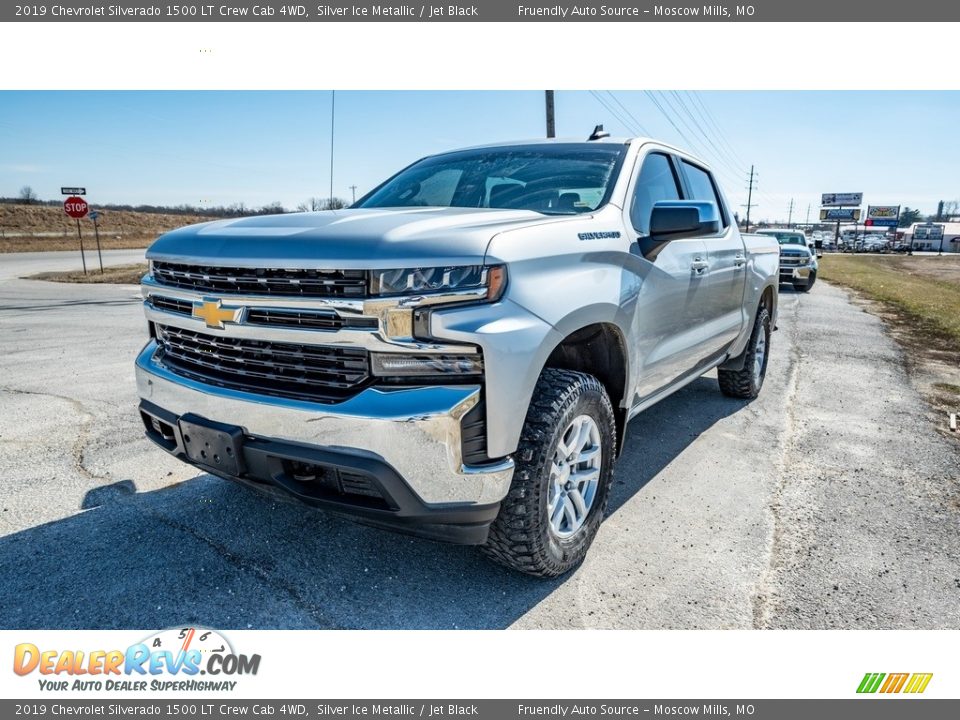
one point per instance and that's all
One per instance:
(75, 207)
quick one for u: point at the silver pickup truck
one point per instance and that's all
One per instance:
(458, 354)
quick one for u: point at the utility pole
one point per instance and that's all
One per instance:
(807, 223)
(333, 105)
(353, 189)
(749, 204)
(790, 214)
(551, 119)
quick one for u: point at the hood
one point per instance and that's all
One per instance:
(794, 250)
(342, 239)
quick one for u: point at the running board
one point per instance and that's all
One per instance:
(679, 384)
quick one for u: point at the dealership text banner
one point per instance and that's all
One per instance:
(483, 11)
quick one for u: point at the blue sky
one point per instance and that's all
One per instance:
(259, 147)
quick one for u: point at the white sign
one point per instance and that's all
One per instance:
(928, 232)
(838, 199)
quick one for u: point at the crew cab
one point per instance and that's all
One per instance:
(459, 353)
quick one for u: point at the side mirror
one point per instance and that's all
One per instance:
(678, 219)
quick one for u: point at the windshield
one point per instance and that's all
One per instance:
(562, 179)
(786, 238)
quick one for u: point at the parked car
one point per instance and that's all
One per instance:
(798, 263)
(458, 354)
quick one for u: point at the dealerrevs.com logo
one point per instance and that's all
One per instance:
(910, 683)
(169, 660)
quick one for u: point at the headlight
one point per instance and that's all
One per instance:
(400, 365)
(417, 281)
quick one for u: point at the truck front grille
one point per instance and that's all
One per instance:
(294, 282)
(311, 372)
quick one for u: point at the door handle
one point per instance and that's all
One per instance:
(739, 261)
(699, 266)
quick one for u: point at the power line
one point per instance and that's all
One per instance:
(716, 126)
(695, 146)
(724, 145)
(706, 136)
(630, 114)
(626, 123)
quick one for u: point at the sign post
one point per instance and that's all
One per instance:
(76, 207)
(96, 231)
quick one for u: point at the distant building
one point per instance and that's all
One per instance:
(951, 238)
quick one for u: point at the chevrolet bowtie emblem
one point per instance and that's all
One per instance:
(214, 314)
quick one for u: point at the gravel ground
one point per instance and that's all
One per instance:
(830, 502)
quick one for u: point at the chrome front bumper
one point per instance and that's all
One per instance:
(789, 273)
(416, 431)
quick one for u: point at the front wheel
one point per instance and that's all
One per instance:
(564, 468)
(746, 382)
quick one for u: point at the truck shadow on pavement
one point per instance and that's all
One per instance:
(213, 553)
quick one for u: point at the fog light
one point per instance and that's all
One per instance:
(402, 365)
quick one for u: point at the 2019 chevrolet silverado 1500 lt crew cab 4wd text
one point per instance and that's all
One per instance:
(458, 354)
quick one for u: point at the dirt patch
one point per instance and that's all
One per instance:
(918, 297)
(37, 228)
(115, 274)
(932, 361)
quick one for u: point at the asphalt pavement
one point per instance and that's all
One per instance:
(829, 502)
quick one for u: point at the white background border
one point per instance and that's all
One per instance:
(720, 664)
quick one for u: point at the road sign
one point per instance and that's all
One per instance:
(838, 199)
(75, 207)
(840, 214)
(93, 215)
(73, 191)
(882, 216)
(929, 231)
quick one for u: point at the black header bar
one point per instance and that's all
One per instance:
(299, 11)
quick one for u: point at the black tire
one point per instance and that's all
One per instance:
(746, 382)
(521, 537)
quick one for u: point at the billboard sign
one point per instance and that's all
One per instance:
(838, 199)
(840, 214)
(928, 231)
(883, 216)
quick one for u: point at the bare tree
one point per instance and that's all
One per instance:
(311, 205)
(333, 203)
(28, 196)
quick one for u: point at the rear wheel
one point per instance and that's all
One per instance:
(746, 382)
(562, 479)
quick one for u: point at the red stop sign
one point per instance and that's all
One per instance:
(75, 207)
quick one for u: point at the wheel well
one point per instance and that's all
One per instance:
(598, 350)
(766, 299)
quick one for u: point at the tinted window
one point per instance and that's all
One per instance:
(701, 186)
(785, 238)
(656, 182)
(554, 179)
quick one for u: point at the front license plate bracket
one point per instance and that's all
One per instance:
(214, 445)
